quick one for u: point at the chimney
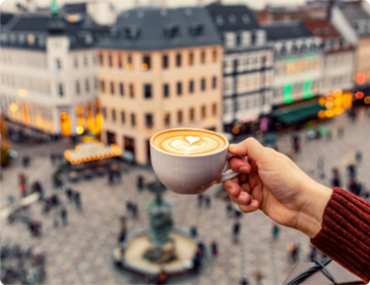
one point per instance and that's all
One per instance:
(200, 3)
(330, 7)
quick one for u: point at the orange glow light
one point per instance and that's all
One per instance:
(236, 130)
(338, 110)
(337, 92)
(322, 101)
(367, 100)
(359, 95)
(329, 113)
(361, 78)
(321, 114)
(78, 148)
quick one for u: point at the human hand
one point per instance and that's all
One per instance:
(271, 182)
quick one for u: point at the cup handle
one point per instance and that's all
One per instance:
(231, 174)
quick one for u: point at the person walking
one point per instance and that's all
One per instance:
(208, 201)
(352, 186)
(243, 281)
(275, 232)
(23, 189)
(214, 248)
(358, 157)
(336, 182)
(351, 170)
(70, 194)
(259, 276)
(64, 216)
(140, 182)
(194, 232)
(229, 210)
(77, 199)
(313, 254)
(200, 200)
(236, 232)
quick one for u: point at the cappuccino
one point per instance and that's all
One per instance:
(188, 142)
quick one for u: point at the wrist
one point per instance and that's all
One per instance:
(312, 211)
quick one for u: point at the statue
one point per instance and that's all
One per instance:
(160, 217)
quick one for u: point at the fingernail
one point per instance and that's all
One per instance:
(244, 170)
(229, 189)
(232, 147)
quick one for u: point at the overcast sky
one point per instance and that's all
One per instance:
(125, 4)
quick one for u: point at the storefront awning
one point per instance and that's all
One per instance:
(294, 114)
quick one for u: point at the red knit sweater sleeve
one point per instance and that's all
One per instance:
(345, 233)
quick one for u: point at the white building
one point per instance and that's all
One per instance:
(48, 73)
(247, 70)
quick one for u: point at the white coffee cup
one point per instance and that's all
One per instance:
(190, 174)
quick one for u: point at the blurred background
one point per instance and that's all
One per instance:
(84, 86)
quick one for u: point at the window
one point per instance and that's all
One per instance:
(214, 82)
(166, 119)
(104, 111)
(149, 121)
(214, 109)
(110, 60)
(166, 91)
(93, 59)
(179, 88)
(102, 86)
(129, 62)
(191, 86)
(121, 89)
(178, 60)
(119, 61)
(179, 117)
(203, 84)
(85, 61)
(123, 117)
(78, 89)
(132, 90)
(146, 63)
(113, 115)
(87, 85)
(61, 89)
(203, 112)
(165, 62)
(191, 58)
(147, 91)
(191, 114)
(59, 64)
(101, 59)
(133, 120)
(75, 62)
(214, 55)
(203, 57)
(112, 88)
(172, 31)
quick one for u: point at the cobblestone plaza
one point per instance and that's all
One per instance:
(80, 253)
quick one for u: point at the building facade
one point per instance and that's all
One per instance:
(48, 74)
(298, 72)
(161, 69)
(247, 68)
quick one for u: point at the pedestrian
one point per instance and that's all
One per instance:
(236, 232)
(229, 209)
(193, 232)
(140, 182)
(22, 178)
(214, 248)
(259, 276)
(353, 188)
(296, 143)
(200, 200)
(197, 263)
(55, 220)
(358, 157)
(275, 232)
(52, 158)
(162, 277)
(243, 281)
(238, 214)
(122, 236)
(313, 254)
(202, 249)
(23, 189)
(77, 199)
(135, 211)
(70, 194)
(351, 170)
(336, 182)
(320, 167)
(208, 202)
(64, 215)
(110, 177)
(128, 208)
(293, 252)
(26, 161)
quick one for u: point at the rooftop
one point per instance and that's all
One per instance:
(153, 28)
(286, 31)
(321, 28)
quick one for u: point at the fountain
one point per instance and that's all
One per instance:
(162, 246)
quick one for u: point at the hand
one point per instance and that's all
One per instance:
(271, 182)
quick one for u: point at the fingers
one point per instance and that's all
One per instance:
(232, 187)
(249, 147)
(252, 207)
(243, 199)
(240, 165)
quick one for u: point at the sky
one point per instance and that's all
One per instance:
(125, 4)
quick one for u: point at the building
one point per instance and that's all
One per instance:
(247, 68)
(161, 68)
(352, 19)
(298, 72)
(338, 56)
(48, 74)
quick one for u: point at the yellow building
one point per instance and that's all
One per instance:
(162, 68)
(362, 62)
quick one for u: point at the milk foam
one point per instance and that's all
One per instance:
(189, 142)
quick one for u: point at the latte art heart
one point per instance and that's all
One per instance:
(189, 142)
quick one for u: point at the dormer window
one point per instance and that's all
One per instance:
(232, 19)
(42, 41)
(4, 38)
(22, 38)
(30, 39)
(245, 18)
(12, 38)
(88, 39)
(131, 33)
(196, 30)
(219, 20)
(261, 37)
(172, 31)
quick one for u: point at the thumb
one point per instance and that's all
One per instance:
(249, 147)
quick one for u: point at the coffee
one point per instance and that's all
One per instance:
(188, 142)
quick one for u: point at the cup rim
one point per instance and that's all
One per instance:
(186, 155)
